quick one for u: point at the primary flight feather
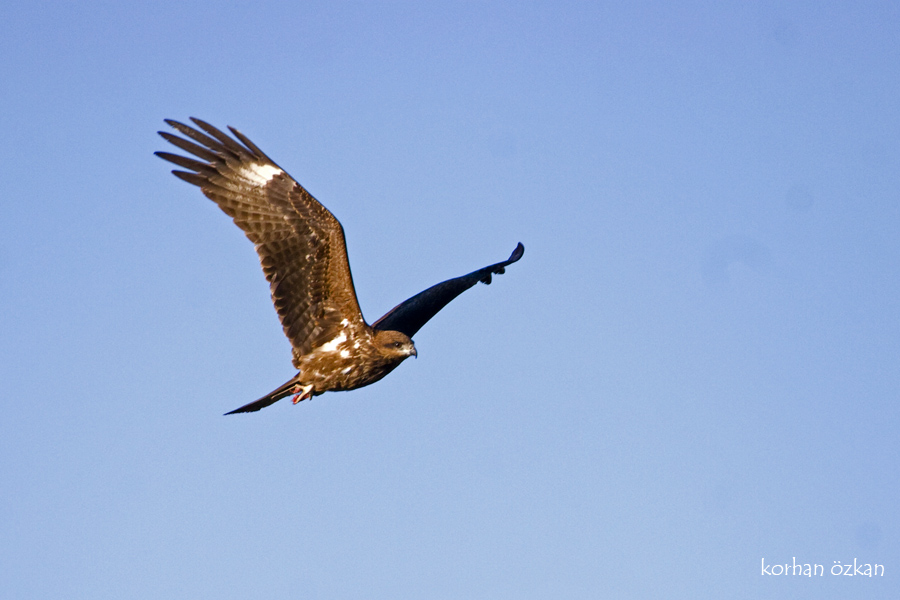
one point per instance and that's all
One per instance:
(303, 254)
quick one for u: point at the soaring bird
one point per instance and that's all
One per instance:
(303, 254)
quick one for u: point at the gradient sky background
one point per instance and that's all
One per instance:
(693, 368)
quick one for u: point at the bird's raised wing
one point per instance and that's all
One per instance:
(409, 316)
(300, 243)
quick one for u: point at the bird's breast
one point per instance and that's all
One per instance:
(346, 365)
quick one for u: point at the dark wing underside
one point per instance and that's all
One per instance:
(409, 316)
(300, 243)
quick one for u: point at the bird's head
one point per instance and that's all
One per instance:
(395, 345)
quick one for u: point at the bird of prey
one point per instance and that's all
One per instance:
(303, 254)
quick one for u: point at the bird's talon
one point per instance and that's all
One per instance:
(301, 393)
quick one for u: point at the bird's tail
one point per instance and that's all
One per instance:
(272, 397)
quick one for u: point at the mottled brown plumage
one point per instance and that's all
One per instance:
(303, 254)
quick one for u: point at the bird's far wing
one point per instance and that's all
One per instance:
(300, 243)
(409, 316)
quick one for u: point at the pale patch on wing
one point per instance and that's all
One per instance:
(259, 174)
(333, 344)
(345, 354)
(347, 370)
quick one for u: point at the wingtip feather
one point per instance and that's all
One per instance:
(516, 254)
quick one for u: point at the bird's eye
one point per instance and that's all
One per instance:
(397, 344)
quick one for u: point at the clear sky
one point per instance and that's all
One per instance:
(692, 372)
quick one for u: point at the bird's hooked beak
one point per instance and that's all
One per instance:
(414, 353)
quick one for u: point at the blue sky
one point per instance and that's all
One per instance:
(693, 369)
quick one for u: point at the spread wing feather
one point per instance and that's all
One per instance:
(300, 244)
(409, 316)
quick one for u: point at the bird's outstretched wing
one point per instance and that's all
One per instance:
(300, 243)
(409, 316)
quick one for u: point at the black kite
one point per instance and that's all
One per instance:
(304, 256)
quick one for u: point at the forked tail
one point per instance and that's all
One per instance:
(272, 397)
